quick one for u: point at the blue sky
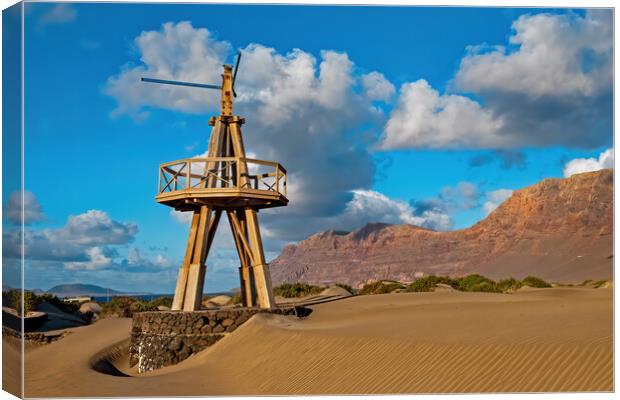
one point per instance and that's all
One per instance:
(425, 115)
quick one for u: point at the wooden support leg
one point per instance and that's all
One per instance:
(195, 284)
(190, 283)
(179, 293)
(237, 227)
(262, 277)
(246, 272)
(195, 278)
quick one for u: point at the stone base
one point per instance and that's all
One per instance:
(162, 338)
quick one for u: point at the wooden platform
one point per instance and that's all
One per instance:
(190, 199)
(218, 182)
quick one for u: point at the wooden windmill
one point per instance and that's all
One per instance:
(223, 182)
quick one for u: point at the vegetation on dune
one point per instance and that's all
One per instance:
(290, 290)
(429, 283)
(468, 283)
(381, 287)
(13, 299)
(535, 282)
(236, 299)
(592, 283)
(475, 283)
(122, 307)
(509, 284)
(165, 301)
(126, 306)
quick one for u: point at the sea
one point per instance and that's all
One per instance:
(150, 296)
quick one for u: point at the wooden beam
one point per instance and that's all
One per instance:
(262, 278)
(195, 279)
(232, 217)
(179, 293)
(238, 232)
(239, 151)
(212, 230)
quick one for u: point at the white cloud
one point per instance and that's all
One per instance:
(162, 261)
(12, 210)
(177, 52)
(464, 196)
(60, 13)
(82, 243)
(95, 227)
(181, 217)
(579, 165)
(495, 198)
(551, 85)
(96, 260)
(450, 200)
(371, 206)
(135, 260)
(424, 118)
(377, 87)
(556, 55)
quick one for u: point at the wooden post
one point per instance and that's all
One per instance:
(195, 278)
(262, 278)
(239, 151)
(244, 251)
(179, 293)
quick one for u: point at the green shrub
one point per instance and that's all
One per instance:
(125, 307)
(31, 301)
(290, 290)
(508, 284)
(236, 299)
(534, 282)
(427, 284)
(475, 283)
(12, 299)
(586, 282)
(598, 284)
(381, 287)
(159, 301)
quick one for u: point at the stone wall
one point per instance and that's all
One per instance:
(162, 338)
(33, 320)
(31, 337)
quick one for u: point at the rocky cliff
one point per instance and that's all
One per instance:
(557, 229)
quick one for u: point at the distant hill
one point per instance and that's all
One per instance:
(35, 291)
(80, 289)
(557, 229)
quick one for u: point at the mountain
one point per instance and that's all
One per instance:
(557, 229)
(80, 289)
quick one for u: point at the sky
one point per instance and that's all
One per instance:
(426, 116)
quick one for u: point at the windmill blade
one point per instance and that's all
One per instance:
(235, 73)
(179, 83)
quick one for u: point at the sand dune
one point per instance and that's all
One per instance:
(556, 339)
(11, 366)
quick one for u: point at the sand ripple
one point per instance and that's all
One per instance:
(539, 341)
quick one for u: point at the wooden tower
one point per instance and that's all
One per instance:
(223, 182)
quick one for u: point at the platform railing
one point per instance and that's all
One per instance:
(221, 173)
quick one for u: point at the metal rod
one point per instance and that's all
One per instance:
(178, 83)
(235, 73)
